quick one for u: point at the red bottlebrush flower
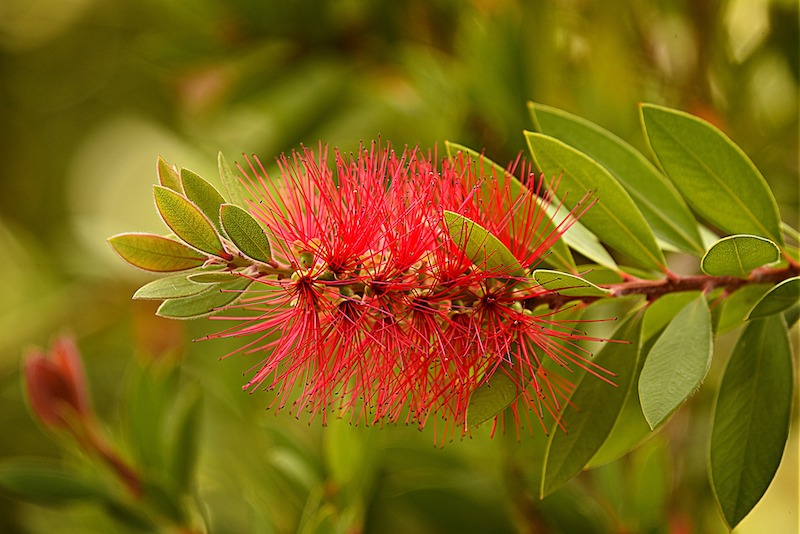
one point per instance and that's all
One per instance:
(374, 309)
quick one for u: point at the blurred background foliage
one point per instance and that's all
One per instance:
(91, 92)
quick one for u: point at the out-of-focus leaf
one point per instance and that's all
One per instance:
(678, 362)
(614, 218)
(213, 278)
(751, 417)
(739, 255)
(245, 232)
(558, 254)
(155, 253)
(168, 288)
(567, 284)
(734, 309)
(484, 249)
(168, 176)
(188, 222)
(185, 444)
(592, 410)
(46, 482)
(204, 195)
(204, 303)
(149, 399)
(660, 203)
(715, 177)
(491, 398)
(779, 299)
(234, 187)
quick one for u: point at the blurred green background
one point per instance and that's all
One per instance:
(92, 91)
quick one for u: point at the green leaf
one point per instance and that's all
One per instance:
(185, 443)
(661, 312)
(678, 362)
(485, 250)
(491, 398)
(779, 299)
(233, 185)
(751, 417)
(583, 241)
(213, 278)
(168, 288)
(47, 482)
(592, 410)
(204, 303)
(614, 218)
(203, 194)
(567, 284)
(661, 205)
(558, 254)
(739, 255)
(188, 222)
(734, 309)
(245, 232)
(155, 253)
(715, 177)
(168, 176)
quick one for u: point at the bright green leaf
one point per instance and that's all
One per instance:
(245, 232)
(168, 288)
(780, 298)
(204, 195)
(567, 284)
(592, 410)
(677, 363)
(661, 205)
(614, 218)
(715, 177)
(188, 222)
(233, 185)
(491, 398)
(204, 303)
(47, 482)
(155, 253)
(739, 255)
(168, 176)
(558, 254)
(661, 311)
(751, 417)
(484, 249)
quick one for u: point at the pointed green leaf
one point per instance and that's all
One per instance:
(739, 255)
(582, 240)
(155, 253)
(485, 250)
(661, 205)
(592, 410)
(751, 417)
(715, 177)
(245, 232)
(188, 222)
(558, 254)
(204, 195)
(235, 189)
(779, 299)
(213, 278)
(168, 176)
(614, 218)
(47, 482)
(168, 288)
(491, 398)
(678, 362)
(204, 303)
(567, 284)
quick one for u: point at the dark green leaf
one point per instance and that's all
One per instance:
(188, 222)
(614, 218)
(155, 253)
(168, 176)
(739, 255)
(751, 417)
(733, 309)
(203, 194)
(168, 288)
(592, 410)
(491, 398)
(661, 205)
(567, 284)
(715, 177)
(46, 482)
(185, 445)
(245, 232)
(204, 303)
(780, 298)
(678, 362)
(485, 250)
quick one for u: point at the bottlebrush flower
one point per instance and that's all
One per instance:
(372, 308)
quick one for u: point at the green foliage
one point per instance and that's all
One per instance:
(245, 232)
(567, 284)
(739, 255)
(155, 253)
(778, 299)
(491, 398)
(485, 250)
(188, 222)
